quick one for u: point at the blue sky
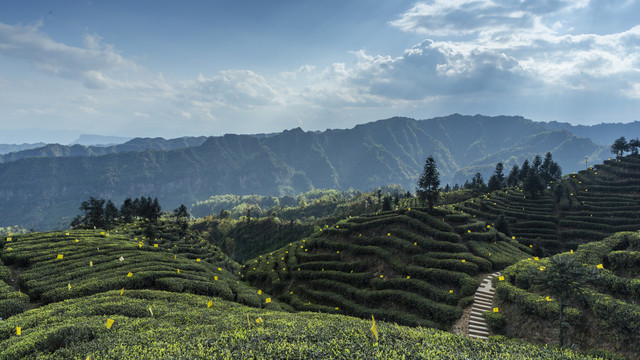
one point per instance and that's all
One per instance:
(169, 68)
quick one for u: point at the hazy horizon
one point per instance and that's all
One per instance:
(149, 68)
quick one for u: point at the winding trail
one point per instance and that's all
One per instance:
(482, 301)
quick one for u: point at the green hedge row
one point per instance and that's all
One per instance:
(534, 304)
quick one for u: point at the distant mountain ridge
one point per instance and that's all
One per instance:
(137, 144)
(602, 134)
(45, 192)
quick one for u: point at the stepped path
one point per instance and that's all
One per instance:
(482, 301)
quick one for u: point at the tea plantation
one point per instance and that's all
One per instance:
(405, 266)
(150, 324)
(601, 304)
(587, 206)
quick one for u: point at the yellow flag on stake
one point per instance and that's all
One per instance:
(259, 292)
(178, 271)
(69, 286)
(90, 263)
(267, 300)
(129, 274)
(599, 266)
(209, 304)
(374, 329)
(109, 323)
(215, 278)
(18, 330)
(121, 291)
(501, 278)
(60, 256)
(495, 309)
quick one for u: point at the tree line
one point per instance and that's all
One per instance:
(621, 145)
(532, 177)
(103, 214)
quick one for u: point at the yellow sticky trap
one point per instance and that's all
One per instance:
(469, 231)
(463, 260)
(572, 251)
(129, 274)
(219, 269)
(150, 311)
(381, 276)
(495, 310)
(109, 323)
(513, 238)
(259, 292)
(178, 271)
(155, 245)
(542, 268)
(198, 259)
(90, 263)
(60, 256)
(450, 291)
(101, 232)
(530, 246)
(69, 286)
(267, 300)
(18, 330)
(488, 226)
(501, 278)
(121, 291)
(77, 240)
(536, 258)
(259, 320)
(66, 234)
(209, 304)
(409, 209)
(8, 239)
(408, 277)
(374, 329)
(599, 266)
(388, 234)
(139, 245)
(548, 299)
(215, 278)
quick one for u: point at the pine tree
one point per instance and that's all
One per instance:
(428, 183)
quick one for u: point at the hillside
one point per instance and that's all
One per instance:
(42, 193)
(602, 309)
(101, 295)
(587, 206)
(406, 266)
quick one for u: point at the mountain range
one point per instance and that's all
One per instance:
(42, 188)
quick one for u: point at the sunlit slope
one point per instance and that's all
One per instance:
(602, 312)
(406, 266)
(56, 266)
(589, 206)
(161, 325)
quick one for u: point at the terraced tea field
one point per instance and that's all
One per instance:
(602, 312)
(592, 205)
(405, 266)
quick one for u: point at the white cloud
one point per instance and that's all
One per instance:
(141, 114)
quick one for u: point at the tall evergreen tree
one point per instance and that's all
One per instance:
(524, 170)
(428, 183)
(127, 210)
(496, 181)
(514, 176)
(111, 214)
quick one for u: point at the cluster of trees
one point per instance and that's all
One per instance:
(103, 214)
(621, 145)
(532, 177)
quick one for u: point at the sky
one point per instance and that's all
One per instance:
(191, 68)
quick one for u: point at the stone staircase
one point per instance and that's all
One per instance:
(482, 301)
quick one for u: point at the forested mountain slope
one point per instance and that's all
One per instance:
(44, 192)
